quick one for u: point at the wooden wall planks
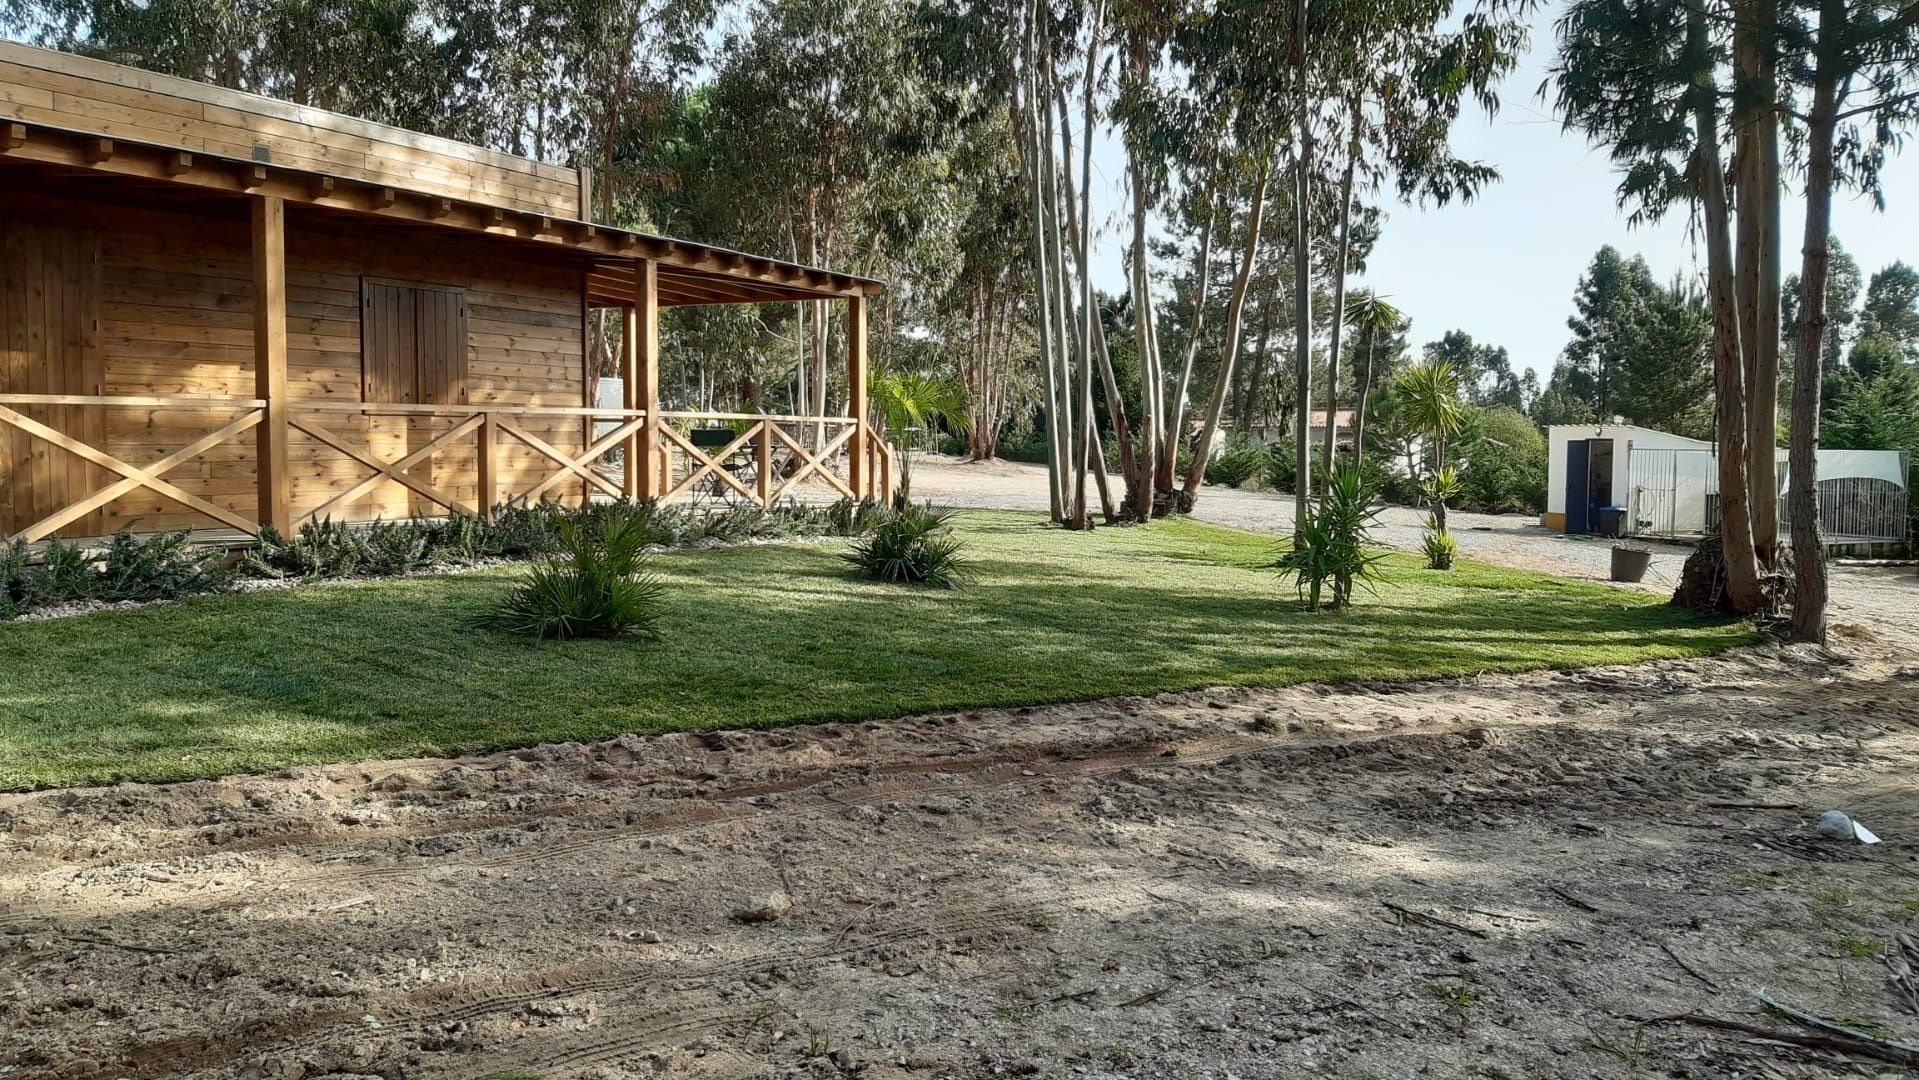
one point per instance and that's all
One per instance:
(174, 296)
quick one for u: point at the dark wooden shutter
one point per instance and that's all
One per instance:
(413, 344)
(388, 370)
(442, 349)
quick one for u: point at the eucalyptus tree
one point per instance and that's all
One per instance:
(1404, 91)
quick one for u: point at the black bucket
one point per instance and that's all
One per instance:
(1629, 564)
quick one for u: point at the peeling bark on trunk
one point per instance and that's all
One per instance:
(1339, 295)
(1757, 167)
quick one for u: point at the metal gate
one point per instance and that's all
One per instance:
(1675, 494)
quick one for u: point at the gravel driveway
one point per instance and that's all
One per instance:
(1881, 596)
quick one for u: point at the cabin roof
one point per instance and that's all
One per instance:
(432, 185)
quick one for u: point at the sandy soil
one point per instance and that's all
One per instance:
(1499, 877)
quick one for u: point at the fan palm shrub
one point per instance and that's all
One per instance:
(594, 585)
(912, 545)
(1332, 549)
(913, 399)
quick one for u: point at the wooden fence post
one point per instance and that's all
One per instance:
(763, 464)
(270, 361)
(489, 479)
(858, 475)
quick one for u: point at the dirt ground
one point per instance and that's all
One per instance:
(1503, 877)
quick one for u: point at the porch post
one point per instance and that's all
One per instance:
(857, 472)
(640, 357)
(270, 360)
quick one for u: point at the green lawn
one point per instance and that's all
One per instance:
(761, 636)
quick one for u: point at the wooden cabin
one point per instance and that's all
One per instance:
(222, 311)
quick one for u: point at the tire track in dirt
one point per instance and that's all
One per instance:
(812, 795)
(448, 1005)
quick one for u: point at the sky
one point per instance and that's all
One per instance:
(1503, 268)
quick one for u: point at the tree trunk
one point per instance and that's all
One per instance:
(1808, 554)
(1175, 425)
(1735, 520)
(1303, 324)
(1339, 293)
(1151, 433)
(1235, 319)
(1059, 305)
(1359, 406)
(1036, 146)
(1757, 168)
(1088, 443)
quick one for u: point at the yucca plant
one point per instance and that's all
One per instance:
(912, 545)
(1440, 547)
(594, 585)
(1332, 550)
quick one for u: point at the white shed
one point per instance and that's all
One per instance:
(1668, 485)
(1589, 466)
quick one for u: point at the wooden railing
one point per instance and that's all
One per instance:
(490, 425)
(780, 459)
(769, 457)
(131, 477)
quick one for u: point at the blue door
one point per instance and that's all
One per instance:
(1578, 464)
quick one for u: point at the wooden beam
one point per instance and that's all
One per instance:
(439, 208)
(13, 136)
(321, 187)
(644, 391)
(270, 360)
(178, 162)
(253, 176)
(98, 150)
(856, 406)
(107, 461)
(589, 372)
(632, 481)
(384, 197)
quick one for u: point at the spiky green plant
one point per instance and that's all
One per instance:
(163, 566)
(1332, 551)
(595, 585)
(1440, 547)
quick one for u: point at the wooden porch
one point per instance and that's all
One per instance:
(227, 387)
